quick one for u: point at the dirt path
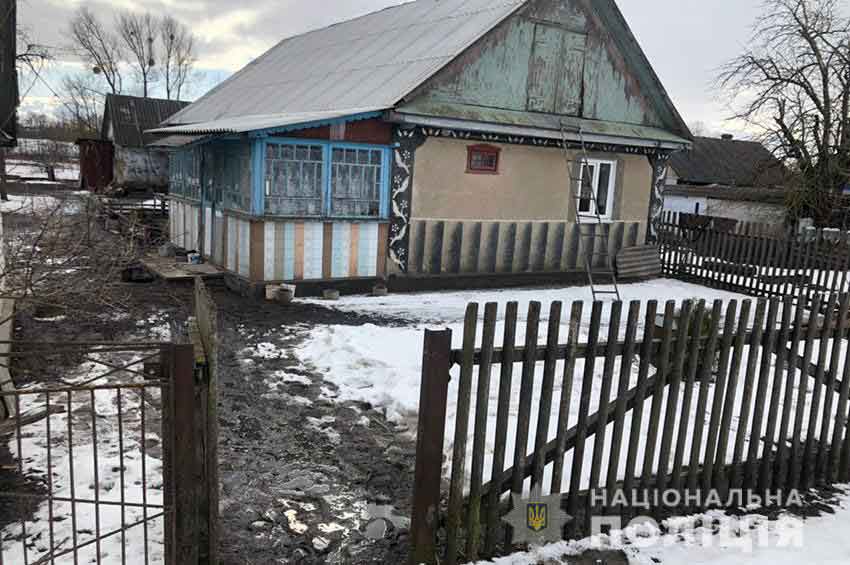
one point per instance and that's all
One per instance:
(304, 479)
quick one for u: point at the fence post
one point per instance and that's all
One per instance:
(436, 362)
(189, 477)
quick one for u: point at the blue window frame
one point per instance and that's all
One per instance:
(185, 173)
(306, 178)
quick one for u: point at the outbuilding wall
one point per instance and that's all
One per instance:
(141, 169)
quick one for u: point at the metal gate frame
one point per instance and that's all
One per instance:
(180, 374)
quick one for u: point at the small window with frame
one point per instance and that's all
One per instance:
(482, 160)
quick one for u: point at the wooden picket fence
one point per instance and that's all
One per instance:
(750, 396)
(753, 258)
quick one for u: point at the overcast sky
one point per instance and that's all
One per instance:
(686, 40)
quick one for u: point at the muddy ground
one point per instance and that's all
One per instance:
(304, 479)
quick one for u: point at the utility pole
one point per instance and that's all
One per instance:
(8, 85)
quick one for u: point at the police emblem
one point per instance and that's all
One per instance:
(537, 520)
(538, 517)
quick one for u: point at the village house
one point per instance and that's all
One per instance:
(123, 157)
(728, 178)
(434, 138)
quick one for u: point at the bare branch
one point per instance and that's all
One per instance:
(99, 47)
(178, 56)
(137, 32)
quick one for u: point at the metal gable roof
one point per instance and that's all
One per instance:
(368, 62)
(728, 162)
(131, 117)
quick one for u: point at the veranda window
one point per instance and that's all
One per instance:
(294, 179)
(356, 182)
(597, 184)
(326, 179)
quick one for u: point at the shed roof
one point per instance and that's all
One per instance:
(728, 162)
(132, 116)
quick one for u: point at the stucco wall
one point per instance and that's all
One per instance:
(533, 184)
(759, 212)
(140, 168)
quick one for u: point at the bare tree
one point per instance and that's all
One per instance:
(83, 104)
(138, 32)
(178, 56)
(794, 79)
(99, 47)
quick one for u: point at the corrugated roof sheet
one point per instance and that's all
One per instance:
(132, 116)
(175, 141)
(243, 124)
(728, 162)
(368, 62)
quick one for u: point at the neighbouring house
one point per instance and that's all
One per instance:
(8, 74)
(434, 138)
(122, 157)
(727, 178)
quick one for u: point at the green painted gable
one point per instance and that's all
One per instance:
(574, 58)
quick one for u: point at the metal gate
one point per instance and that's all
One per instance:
(98, 455)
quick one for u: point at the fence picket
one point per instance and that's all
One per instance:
(765, 473)
(811, 448)
(793, 351)
(845, 263)
(605, 397)
(762, 265)
(623, 379)
(758, 419)
(640, 395)
(717, 401)
(747, 396)
(674, 382)
(583, 413)
(455, 509)
(839, 339)
(566, 396)
(494, 526)
(835, 451)
(693, 359)
(479, 445)
(704, 381)
(719, 458)
(662, 363)
(802, 391)
(546, 394)
(526, 393)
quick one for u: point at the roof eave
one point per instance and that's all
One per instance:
(207, 128)
(528, 131)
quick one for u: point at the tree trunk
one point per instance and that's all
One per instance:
(4, 192)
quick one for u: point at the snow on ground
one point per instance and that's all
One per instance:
(29, 170)
(29, 204)
(71, 440)
(715, 539)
